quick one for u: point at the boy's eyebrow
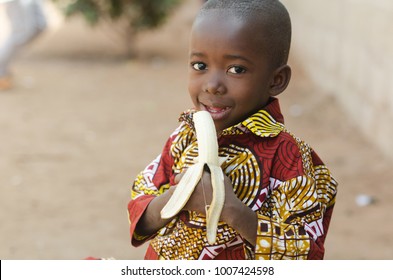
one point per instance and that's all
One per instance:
(227, 56)
(197, 54)
(235, 56)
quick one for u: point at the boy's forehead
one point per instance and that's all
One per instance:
(226, 35)
(214, 20)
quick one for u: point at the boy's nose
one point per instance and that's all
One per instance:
(214, 85)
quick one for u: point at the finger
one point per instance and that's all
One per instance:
(178, 178)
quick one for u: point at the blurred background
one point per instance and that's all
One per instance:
(93, 101)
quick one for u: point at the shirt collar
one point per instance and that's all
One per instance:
(267, 122)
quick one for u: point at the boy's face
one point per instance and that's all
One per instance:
(230, 76)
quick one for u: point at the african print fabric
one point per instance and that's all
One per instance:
(274, 173)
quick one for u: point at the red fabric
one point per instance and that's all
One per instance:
(92, 259)
(136, 208)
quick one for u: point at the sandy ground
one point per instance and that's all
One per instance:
(82, 121)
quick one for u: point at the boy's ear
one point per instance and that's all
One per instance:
(280, 80)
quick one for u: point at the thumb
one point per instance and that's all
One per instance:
(178, 178)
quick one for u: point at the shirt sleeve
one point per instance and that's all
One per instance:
(294, 220)
(154, 180)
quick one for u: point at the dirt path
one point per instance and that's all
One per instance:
(82, 121)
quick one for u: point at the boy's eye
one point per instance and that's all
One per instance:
(236, 70)
(199, 66)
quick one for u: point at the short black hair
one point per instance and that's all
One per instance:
(272, 17)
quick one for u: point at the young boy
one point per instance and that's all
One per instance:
(279, 194)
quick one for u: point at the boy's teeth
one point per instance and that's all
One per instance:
(215, 110)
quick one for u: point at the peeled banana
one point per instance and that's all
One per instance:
(207, 155)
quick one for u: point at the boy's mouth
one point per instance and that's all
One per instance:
(217, 113)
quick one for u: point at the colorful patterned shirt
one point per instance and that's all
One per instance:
(274, 173)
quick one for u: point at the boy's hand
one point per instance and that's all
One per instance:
(234, 212)
(203, 194)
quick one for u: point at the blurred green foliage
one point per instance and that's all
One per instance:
(133, 16)
(140, 14)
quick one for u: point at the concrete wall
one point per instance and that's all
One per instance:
(346, 47)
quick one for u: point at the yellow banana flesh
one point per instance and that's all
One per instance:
(207, 155)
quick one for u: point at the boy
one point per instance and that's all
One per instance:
(279, 195)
